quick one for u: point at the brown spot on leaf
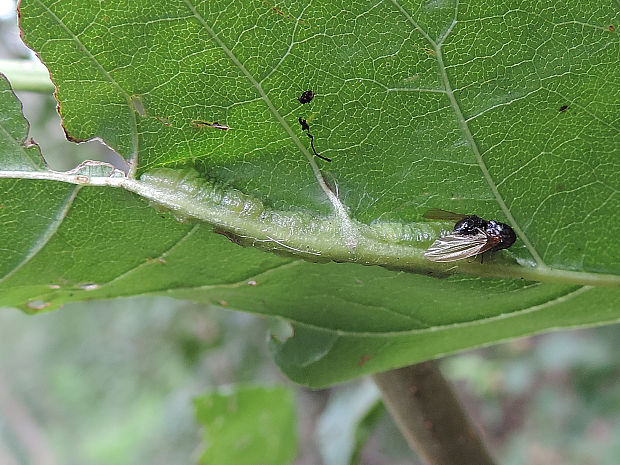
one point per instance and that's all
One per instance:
(228, 235)
(209, 124)
(362, 361)
(163, 120)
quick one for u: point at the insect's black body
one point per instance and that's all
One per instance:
(471, 236)
(499, 233)
(505, 234)
(470, 225)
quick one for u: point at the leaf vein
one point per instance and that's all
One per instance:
(47, 235)
(133, 161)
(162, 256)
(502, 316)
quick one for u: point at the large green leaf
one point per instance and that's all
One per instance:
(506, 111)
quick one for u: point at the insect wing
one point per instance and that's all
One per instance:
(439, 214)
(456, 247)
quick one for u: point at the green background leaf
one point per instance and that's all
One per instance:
(419, 106)
(249, 425)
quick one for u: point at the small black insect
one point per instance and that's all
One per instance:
(471, 236)
(306, 97)
(563, 108)
(306, 127)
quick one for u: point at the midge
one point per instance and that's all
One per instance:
(471, 236)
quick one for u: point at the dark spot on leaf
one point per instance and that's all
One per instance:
(430, 51)
(306, 97)
(563, 108)
(304, 124)
(612, 28)
(363, 360)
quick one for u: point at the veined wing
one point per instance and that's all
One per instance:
(456, 247)
(439, 214)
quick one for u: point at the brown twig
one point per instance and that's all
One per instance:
(430, 416)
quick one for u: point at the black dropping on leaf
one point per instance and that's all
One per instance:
(563, 108)
(306, 97)
(304, 124)
(306, 127)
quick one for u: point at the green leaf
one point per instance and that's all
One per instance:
(455, 106)
(248, 426)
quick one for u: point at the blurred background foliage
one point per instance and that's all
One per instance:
(113, 382)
